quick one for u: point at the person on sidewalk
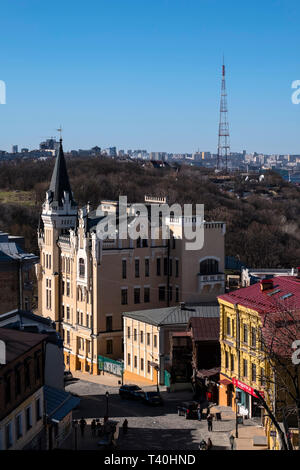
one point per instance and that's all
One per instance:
(199, 412)
(231, 442)
(209, 444)
(209, 422)
(82, 424)
(125, 426)
(93, 428)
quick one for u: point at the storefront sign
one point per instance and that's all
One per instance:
(245, 387)
(110, 365)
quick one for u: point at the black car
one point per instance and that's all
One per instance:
(188, 409)
(130, 391)
(152, 398)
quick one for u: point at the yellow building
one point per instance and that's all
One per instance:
(85, 283)
(244, 366)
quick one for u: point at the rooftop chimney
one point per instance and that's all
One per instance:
(266, 284)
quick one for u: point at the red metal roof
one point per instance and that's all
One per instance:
(205, 329)
(254, 298)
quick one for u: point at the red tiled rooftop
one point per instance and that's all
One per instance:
(254, 298)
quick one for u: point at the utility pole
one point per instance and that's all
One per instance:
(223, 141)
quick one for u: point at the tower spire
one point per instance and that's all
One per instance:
(60, 180)
(223, 140)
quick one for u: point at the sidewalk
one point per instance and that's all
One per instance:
(246, 435)
(113, 381)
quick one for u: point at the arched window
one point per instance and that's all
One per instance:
(209, 266)
(81, 267)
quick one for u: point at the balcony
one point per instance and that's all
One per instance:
(211, 280)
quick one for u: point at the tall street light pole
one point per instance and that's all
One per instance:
(236, 418)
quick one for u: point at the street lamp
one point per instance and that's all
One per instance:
(106, 416)
(236, 417)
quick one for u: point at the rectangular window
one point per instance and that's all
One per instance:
(128, 332)
(124, 296)
(68, 337)
(161, 293)
(147, 267)
(128, 359)
(109, 346)
(177, 268)
(142, 336)
(137, 267)
(232, 327)
(158, 266)
(124, 270)
(68, 313)
(177, 294)
(146, 294)
(148, 367)
(228, 326)
(245, 329)
(68, 288)
(28, 417)
(170, 267)
(18, 425)
(165, 266)
(38, 409)
(109, 323)
(253, 372)
(135, 362)
(155, 341)
(8, 435)
(231, 362)
(245, 366)
(136, 295)
(148, 339)
(226, 360)
(253, 337)
(142, 364)
(134, 334)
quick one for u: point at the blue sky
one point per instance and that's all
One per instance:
(146, 73)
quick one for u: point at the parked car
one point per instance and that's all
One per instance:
(152, 398)
(130, 391)
(188, 409)
(68, 375)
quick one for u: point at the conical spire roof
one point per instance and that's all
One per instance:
(60, 180)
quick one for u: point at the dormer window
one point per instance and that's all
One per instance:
(81, 267)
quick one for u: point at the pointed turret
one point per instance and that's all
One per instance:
(60, 180)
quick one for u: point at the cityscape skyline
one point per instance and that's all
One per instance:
(150, 76)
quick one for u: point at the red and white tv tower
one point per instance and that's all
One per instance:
(223, 142)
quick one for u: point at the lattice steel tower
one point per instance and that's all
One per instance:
(223, 142)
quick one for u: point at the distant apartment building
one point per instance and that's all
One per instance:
(16, 274)
(86, 283)
(158, 156)
(14, 149)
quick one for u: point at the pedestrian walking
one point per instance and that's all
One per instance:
(199, 412)
(231, 439)
(209, 422)
(125, 426)
(82, 424)
(93, 428)
(203, 445)
(209, 444)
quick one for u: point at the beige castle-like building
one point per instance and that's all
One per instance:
(86, 283)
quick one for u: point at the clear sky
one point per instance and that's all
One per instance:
(146, 73)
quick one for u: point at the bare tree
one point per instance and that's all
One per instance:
(279, 335)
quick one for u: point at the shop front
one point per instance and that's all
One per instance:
(248, 402)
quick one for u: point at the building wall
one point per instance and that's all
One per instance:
(31, 438)
(136, 346)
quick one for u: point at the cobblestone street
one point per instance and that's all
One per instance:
(151, 428)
